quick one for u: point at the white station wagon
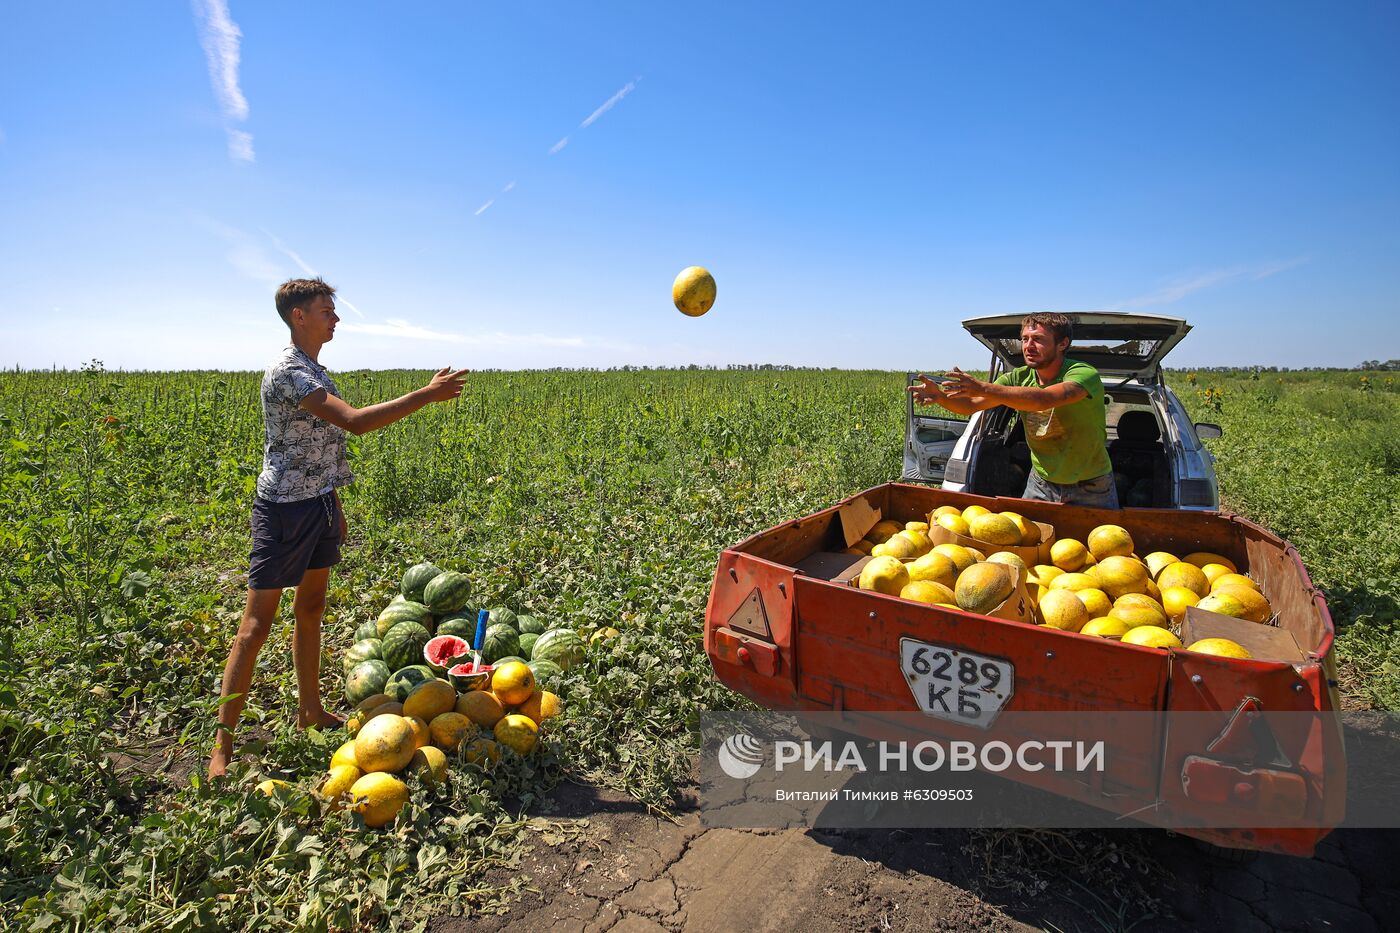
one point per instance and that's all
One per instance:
(1158, 459)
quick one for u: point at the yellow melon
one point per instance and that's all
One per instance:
(1073, 581)
(345, 755)
(1045, 573)
(338, 781)
(1176, 600)
(1109, 541)
(954, 523)
(1104, 627)
(517, 732)
(1068, 554)
(1201, 558)
(1222, 647)
(1234, 579)
(513, 682)
(884, 574)
(1062, 609)
(1256, 607)
(385, 743)
(983, 587)
(1135, 616)
(1030, 531)
(378, 797)
(961, 557)
(481, 707)
(1223, 603)
(935, 566)
(1011, 560)
(1157, 561)
(926, 591)
(541, 706)
(916, 526)
(884, 529)
(995, 529)
(421, 734)
(944, 510)
(431, 762)
(430, 699)
(1096, 601)
(1119, 575)
(972, 511)
(921, 543)
(1184, 574)
(897, 547)
(449, 729)
(482, 752)
(1151, 636)
(1140, 599)
(371, 701)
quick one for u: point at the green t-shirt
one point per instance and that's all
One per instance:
(1068, 444)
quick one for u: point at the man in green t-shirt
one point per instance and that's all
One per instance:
(1061, 405)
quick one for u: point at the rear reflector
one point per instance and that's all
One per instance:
(1197, 492)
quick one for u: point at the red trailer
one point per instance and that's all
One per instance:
(778, 631)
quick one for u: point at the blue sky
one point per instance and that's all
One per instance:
(858, 177)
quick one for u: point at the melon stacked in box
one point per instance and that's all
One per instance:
(421, 701)
(1097, 587)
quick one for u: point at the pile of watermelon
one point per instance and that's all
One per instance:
(387, 656)
(410, 673)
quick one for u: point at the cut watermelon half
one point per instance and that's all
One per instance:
(444, 651)
(469, 676)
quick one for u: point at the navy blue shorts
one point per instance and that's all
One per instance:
(290, 538)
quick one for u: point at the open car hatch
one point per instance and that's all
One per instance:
(1116, 344)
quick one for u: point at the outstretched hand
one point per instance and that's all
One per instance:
(927, 392)
(958, 384)
(446, 384)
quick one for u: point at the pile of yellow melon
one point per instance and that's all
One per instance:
(393, 740)
(905, 563)
(1094, 587)
(1101, 587)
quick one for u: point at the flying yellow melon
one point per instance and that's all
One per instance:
(693, 291)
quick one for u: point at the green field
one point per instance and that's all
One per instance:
(591, 498)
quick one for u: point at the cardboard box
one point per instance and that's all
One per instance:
(839, 567)
(857, 518)
(1263, 642)
(1040, 554)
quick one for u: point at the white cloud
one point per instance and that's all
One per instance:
(508, 187)
(220, 36)
(240, 146)
(483, 207)
(1179, 288)
(559, 145)
(610, 102)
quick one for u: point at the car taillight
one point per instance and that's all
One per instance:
(1197, 492)
(955, 471)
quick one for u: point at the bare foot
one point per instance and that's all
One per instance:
(218, 763)
(321, 718)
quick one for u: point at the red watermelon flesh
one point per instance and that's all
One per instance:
(469, 676)
(444, 651)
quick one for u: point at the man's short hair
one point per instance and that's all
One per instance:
(1060, 326)
(298, 293)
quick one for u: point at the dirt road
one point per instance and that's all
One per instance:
(629, 871)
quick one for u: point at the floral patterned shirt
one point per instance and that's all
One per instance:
(303, 456)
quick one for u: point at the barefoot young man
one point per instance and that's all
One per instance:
(298, 524)
(1061, 404)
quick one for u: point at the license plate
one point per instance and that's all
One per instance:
(955, 684)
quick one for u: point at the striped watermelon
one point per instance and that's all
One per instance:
(527, 643)
(402, 682)
(368, 629)
(403, 645)
(560, 645)
(416, 578)
(406, 611)
(462, 624)
(447, 592)
(504, 616)
(365, 680)
(546, 672)
(529, 625)
(501, 641)
(366, 649)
